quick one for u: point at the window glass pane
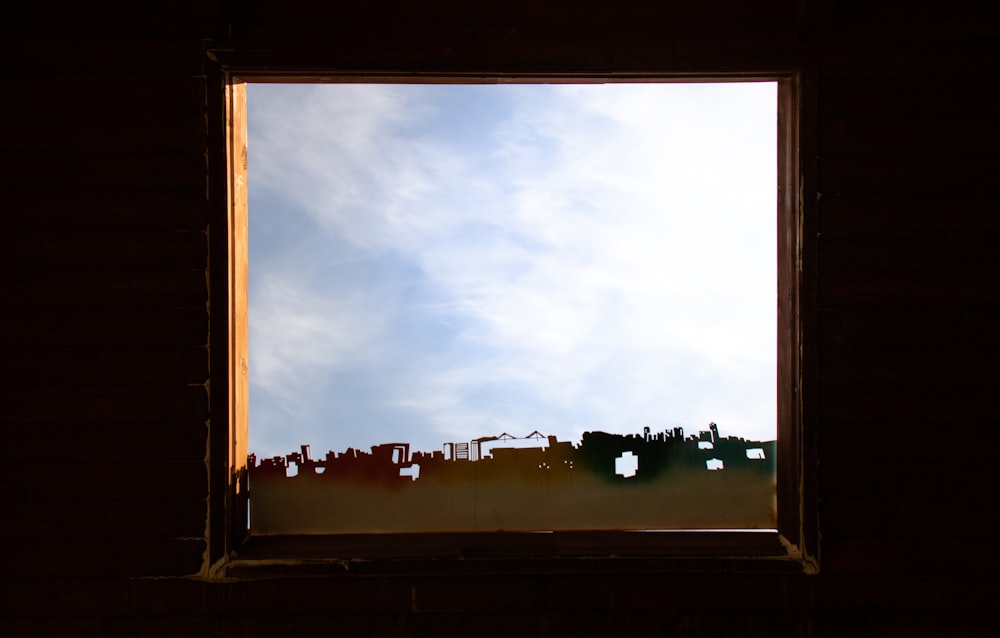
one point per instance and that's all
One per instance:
(512, 306)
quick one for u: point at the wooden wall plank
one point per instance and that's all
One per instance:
(950, 215)
(89, 53)
(958, 514)
(927, 439)
(909, 59)
(916, 360)
(182, 19)
(125, 209)
(921, 323)
(23, 170)
(915, 292)
(120, 327)
(971, 252)
(99, 560)
(891, 136)
(175, 94)
(893, 478)
(105, 249)
(909, 174)
(56, 598)
(858, 93)
(907, 402)
(104, 519)
(122, 366)
(908, 557)
(71, 405)
(103, 288)
(108, 441)
(105, 133)
(38, 480)
(299, 14)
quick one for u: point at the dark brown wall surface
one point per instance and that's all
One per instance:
(106, 222)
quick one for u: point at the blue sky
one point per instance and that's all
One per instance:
(433, 263)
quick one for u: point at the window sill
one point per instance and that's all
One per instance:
(723, 551)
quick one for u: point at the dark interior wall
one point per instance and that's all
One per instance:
(104, 189)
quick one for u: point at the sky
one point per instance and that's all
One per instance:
(437, 263)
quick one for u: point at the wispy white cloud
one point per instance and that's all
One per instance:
(606, 260)
(296, 330)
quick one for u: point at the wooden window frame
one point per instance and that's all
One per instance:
(232, 551)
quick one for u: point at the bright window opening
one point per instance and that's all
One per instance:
(559, 298)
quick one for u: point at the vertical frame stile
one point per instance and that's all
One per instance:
(788, 386)
(236, 136)
(807, 320)
(797, 522)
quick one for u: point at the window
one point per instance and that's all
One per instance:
(627, 463)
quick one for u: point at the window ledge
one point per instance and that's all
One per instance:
(722, 551)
